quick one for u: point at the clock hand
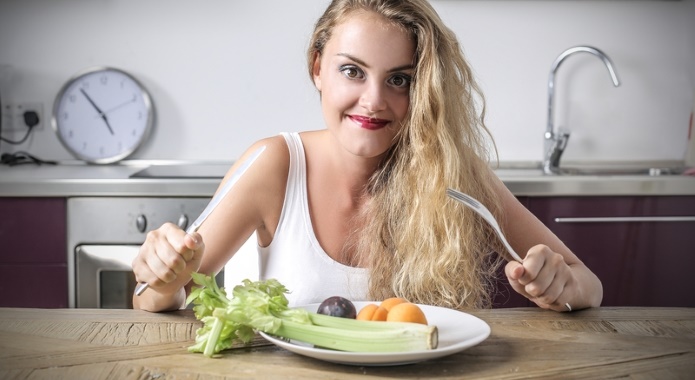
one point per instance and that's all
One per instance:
(103, 116)
(118, 106)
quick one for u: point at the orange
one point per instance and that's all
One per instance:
(391, 302)
(366, 313)
(380, 314)
(406, 312)
(372, 312)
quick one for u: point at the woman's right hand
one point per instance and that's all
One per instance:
(165, 261)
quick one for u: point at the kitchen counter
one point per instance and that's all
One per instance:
(76, 179)
(72, 179)
(654, 343)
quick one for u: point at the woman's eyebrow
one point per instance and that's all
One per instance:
(362, 63)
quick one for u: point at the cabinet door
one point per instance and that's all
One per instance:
(33, 257)
(642, 255)
(32, 285)
(505, 296)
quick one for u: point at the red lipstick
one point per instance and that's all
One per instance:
(370, 123)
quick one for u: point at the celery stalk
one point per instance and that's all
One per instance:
(353, 324)
(217, 325)
(385, 338)
(262, 306)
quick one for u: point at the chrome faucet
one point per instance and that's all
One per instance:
(556, 141)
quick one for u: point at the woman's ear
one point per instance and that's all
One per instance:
(317, 71)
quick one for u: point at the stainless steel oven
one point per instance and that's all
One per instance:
(104, 277)
(104, 235)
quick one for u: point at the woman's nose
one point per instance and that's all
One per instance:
(373, 98)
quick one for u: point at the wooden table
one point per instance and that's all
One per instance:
(654, 343)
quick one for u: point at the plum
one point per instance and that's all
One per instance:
(338, 307)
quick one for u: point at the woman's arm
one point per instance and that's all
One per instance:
(169, 255)
(551, 275)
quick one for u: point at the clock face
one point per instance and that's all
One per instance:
(102, 115)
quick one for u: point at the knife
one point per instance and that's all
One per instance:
(213, 203)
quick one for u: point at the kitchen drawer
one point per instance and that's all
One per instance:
(642, 248)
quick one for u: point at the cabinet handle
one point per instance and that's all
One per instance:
(622, 219)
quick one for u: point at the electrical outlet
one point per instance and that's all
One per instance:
(13, 116)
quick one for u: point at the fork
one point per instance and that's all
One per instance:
(478, 207)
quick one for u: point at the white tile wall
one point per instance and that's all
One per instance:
(224, 73)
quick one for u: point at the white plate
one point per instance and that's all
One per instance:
(457, 331)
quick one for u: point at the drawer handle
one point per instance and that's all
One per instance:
(622, 219)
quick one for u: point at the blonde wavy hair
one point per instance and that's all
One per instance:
(418, 243)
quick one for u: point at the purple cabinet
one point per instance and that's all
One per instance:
(641, 247)
(506, 296)
(33, 262)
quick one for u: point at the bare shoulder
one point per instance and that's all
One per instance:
(275, 149)
(271, 166)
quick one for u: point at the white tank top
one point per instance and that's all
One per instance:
(295, 257)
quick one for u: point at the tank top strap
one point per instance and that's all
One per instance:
(295, 192)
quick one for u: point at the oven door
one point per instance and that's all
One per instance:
(104, 276)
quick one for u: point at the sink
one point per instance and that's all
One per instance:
(594, 171)
(653, 172)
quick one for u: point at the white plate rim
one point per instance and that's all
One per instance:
(446, 320)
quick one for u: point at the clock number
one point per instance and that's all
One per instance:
(85, 85)
(104, 80)
(64, 116)
(122, 83)
(72, 98)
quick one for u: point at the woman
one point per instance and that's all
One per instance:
(359, 209)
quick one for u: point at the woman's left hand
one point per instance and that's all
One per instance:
(544, 277)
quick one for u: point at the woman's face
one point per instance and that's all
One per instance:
(364, 75)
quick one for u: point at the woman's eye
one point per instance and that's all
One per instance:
(400, 81)
(351, 72)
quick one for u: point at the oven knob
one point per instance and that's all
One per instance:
(183, 221)
(141, 223)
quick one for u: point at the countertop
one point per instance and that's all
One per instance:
(655, 343)
(73, 179)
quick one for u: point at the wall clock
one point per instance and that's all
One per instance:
(102, 115)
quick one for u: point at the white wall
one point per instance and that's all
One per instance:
(224, 73)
